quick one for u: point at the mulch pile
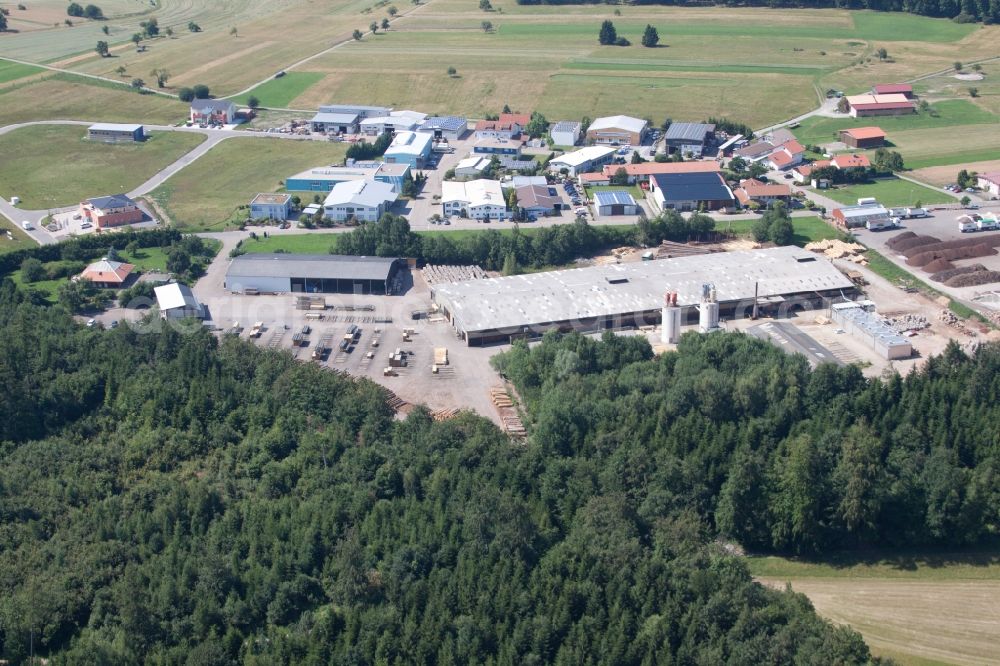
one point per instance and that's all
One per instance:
(944, 275)
(939, 265)
(973, 279)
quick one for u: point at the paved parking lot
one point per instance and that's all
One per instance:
(942, 224)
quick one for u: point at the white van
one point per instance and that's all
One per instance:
(26, 226)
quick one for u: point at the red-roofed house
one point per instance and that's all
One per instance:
(507, 126)
(640, 173)
(863, 137)
(851, 161)
(989, 182)
(786, 155)
(893, 89)
(596, 178)
(803, 172)
(763, 193)
(107, 273)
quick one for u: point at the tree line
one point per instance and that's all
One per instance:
(181, 499)
(546, 246)
(960, 10)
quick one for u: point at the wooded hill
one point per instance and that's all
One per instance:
(173, 499)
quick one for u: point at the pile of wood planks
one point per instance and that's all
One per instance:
(444, 414)
(508, 415)
(395, 402)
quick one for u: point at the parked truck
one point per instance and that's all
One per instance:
(968, 223)
(987, 223)
(880, 224)
(917, 212)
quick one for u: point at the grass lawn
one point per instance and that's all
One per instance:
(147, 258)
(818, 130)
(889, 192)
(918, 608)
(68, 97)
(10, 71)
(312, 243)
(71, 168)
(206, 194)
(807, 229)
(19, 241)
(637, 192)
(279, 93)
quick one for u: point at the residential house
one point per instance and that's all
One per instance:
(688, 138)
(177, 301)
(904, 89)
(617, 131)
(879, 105)
(360, 200)
(786, 155)
(271, 207)
(762, 193)
(413, 148)
(582, 160)
(592, 179)
(863, 137)
(537, 200)
(111, 211)
(565, 133)
(477, 199)
(803, 172)
(850, 161)
(508, 147)
(754, 152)
(449, 128)
(989, 182)
(521, 181)
(640, 173)
(507, 126)
(690, 191)
(615, 202)
(116, 133)
(108, 274)
(212, 112)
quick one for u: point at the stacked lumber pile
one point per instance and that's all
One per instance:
(444, 414)
(508, 416)
(396, 403)
(436, 274)
(669, 250)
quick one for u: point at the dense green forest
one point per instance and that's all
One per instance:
(545, 246)
(176, 499)
(961, 10)
(768, 452)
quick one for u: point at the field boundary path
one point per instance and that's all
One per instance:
(71, 72)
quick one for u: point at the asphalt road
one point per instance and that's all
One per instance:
(791, 340)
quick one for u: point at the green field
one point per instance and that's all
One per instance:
(947, 113)
(807, 229)
(20, 241)
(917, 608)
(10, 71)
(279, 93)
(206, 194)
(889, 192)
(71, 168)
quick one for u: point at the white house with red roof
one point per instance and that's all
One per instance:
(786, 156)
(752, 189)
(507, 126)
(989, 182)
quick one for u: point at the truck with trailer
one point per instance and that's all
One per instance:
(987, 222)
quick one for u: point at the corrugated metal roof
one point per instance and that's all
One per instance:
(688, 132)
(175, 295)
(114, 127)
(613, 197)
(317, 266)
(582, 293)
(696, 186)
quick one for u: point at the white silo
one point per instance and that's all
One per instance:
(670, 333)
(708, 309)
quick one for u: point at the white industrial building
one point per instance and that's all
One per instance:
(584, 160)
(176, 301)
(618, 130)
(472, 166)
(616, 296)
(858, 320)
(396, 121)
(853, 217)
(566, 133)
(413, 148)
(361, 200)
(477, 199)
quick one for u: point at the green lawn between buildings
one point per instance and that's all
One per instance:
(889, 192)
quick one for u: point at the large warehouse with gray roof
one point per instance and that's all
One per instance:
(626, 295)
(311, 274)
